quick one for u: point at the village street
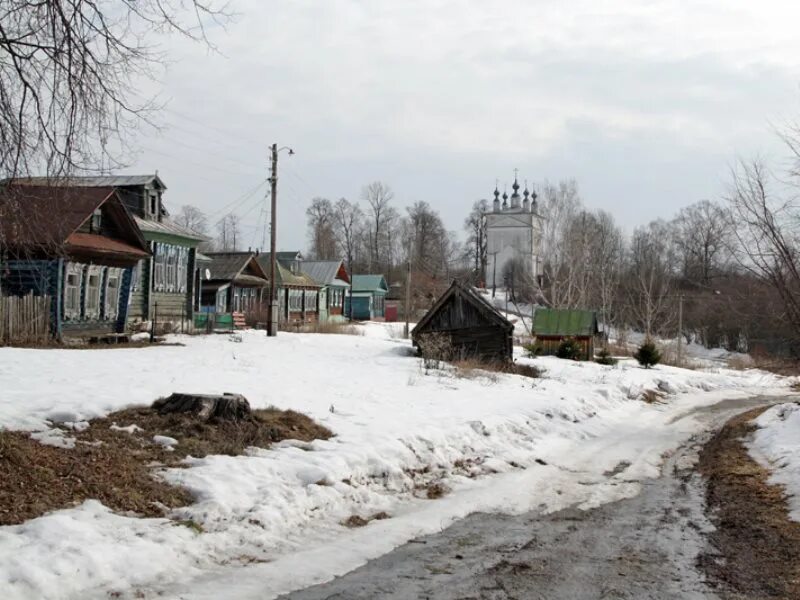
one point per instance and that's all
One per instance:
(643, 547)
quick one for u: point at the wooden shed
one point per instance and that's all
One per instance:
(474, 328)
(551, 326)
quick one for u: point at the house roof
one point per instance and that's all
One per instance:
(468, 293)
(168, 228)
(228, 266)
(369, 283)
(102, 245)
(283, 275)
(324, 271)
(564, 322)
(42, 216)
(91, 181)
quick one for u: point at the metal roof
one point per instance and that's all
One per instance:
(564, 322)
(103, 245)
(323, 271)
(91, 180)
(226, 266)
(168, 228)
(283, 275)
(369, 283)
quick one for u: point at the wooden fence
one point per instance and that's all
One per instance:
(24, 319)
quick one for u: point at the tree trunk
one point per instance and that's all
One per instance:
(228, 407)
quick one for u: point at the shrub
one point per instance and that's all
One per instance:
(604, 358)
(569, 349)
(647, 354)
(435, 348)
(532, 350)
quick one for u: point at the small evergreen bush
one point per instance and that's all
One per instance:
(532, 350)
(647, 354)
(604, 358)
(569, 349)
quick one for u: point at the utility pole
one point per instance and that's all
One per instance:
(408, 297)
(272, 316)
(680, 328)
(272, 312)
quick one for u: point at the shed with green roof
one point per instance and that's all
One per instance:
(551, 326)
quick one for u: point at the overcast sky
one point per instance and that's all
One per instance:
(645, 104)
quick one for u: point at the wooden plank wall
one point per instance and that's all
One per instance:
(24, 319)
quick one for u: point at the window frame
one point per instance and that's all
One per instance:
(92, 295)
(111, 301)
(72, 310)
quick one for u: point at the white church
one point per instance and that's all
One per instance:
(513, 230)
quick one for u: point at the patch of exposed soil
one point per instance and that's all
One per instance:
(120, 468)
(758, 545)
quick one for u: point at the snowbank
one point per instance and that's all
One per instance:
(776, 445)
(498, 442)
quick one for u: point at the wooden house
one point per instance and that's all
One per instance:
(551, 326)
(237, 287)
(298, 293)
(472, 327)
(334, 283)
(368, 293)
(77, 245)
(163, 285)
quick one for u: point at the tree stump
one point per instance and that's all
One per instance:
(227, 407)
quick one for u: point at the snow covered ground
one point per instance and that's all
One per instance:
(776, 445)
(272, 519)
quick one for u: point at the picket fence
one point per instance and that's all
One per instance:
(24, 319)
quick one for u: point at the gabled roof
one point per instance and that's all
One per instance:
(468, 293)
(229, 266)
(369, 283)
(49, 216)
(564, 322)
(325, 271)
(283, 275)
(91, 181)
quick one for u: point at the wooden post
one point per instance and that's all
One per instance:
(408, 298)
(153, 324)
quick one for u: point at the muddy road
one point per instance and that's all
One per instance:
(639, 548)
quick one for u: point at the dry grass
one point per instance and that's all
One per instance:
(331, 327)
(359, 521)
(757, 546)
(473, 368)
(669, 357)
(435, 490)
(116, 467)
(652, 396)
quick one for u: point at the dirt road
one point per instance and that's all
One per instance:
(640, 548)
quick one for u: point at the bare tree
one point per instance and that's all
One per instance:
(321, 223)
(67, 73)
(382, 217)
(766, 237)
(701, 234)
(347, 226)
(475, 225)
(192, 218)
(425, 239)
(649, 279)
(229, 233)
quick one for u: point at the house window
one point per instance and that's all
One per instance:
(154, 204)
(94, 278)
(73, 281)
(311, 301)
(97, 221)
(295, 300)
(237, 306)
(158, 266)
(170, 268)
(111, 307)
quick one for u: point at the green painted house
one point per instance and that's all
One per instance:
(334, 283)
(368, 294)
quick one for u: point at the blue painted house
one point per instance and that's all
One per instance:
(77, 245)
(368, 293)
